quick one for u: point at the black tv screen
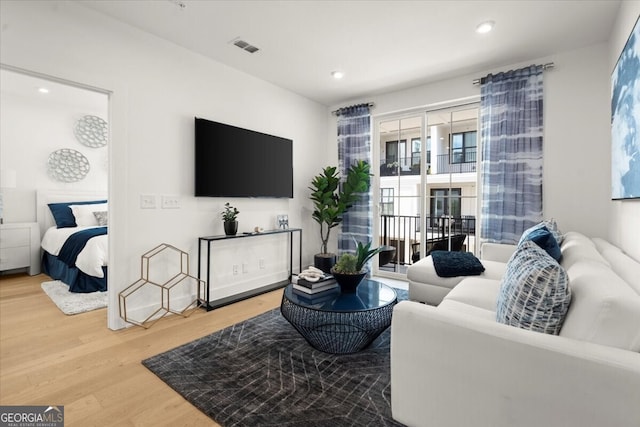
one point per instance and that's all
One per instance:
(235, 162)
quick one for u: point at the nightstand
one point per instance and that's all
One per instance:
(20, 246)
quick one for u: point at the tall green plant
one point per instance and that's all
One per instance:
(331, 200)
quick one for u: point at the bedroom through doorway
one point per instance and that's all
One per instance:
(54, 147)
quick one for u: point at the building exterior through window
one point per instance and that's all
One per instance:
(427, 176)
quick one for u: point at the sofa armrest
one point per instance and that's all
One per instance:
(497, 251)
(453, 369)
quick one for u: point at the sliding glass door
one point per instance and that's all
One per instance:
(427, 184)
(450, 186)
(398, 182)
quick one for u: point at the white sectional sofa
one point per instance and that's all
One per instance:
(426, 286)
(454, 365)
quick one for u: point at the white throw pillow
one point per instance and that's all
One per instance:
(84, 213)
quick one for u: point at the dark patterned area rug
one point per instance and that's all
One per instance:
(261, 372)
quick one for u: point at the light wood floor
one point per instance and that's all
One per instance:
(48, 358)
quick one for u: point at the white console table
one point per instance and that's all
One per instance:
(209, 240)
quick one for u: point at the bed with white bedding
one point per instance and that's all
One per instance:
(75, 241)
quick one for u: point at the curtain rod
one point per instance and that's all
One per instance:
(546, 66)
(368, 104)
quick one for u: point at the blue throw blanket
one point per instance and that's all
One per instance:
(76, 242)
(451, 264)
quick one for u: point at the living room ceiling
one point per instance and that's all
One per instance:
(381, 46)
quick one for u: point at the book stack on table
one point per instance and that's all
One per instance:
(324, 284)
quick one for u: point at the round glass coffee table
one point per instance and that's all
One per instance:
(338, 323)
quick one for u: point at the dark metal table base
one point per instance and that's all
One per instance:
(337, 332)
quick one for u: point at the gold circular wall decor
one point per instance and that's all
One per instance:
(92, 131)
(67, 165)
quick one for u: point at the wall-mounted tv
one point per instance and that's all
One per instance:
(235, 162)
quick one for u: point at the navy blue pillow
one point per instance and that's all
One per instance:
(545, 239)
(62, 212)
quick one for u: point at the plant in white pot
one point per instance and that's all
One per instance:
(230, 219)
(331, 200)
(350, 268)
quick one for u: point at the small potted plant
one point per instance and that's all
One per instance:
(230, 218)
(350, 269)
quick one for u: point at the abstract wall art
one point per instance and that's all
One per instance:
(625, 121)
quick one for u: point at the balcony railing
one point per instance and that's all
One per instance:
(405, 165)
(403, 232)
(444, 164)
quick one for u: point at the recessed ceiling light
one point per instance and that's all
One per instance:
(43, 90)
(485, 27)
(337, 75)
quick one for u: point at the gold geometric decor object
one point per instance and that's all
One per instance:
(164, 287)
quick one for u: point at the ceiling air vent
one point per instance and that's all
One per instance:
(245, 46)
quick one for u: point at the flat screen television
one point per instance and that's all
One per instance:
(235, 162)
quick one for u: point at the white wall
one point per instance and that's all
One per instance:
(32, 126)
(157, 88)
(624, 227)
(576, 144)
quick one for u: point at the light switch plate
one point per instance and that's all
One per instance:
(147, 201)
(170, 202)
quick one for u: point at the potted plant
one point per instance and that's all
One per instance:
(230, 218)
(331, 200)
(350, 269)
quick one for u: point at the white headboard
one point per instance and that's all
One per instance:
(44, 197)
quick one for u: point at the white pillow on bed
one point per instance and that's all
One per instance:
(84, 213)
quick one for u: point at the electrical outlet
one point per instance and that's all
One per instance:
(170, 202)
(261, 263)
(147, 201)
(235, 269)
(245, 267)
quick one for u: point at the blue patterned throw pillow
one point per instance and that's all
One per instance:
(551, 226)
(545, 239)
(534, 293)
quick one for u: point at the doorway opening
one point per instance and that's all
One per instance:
(54, 141)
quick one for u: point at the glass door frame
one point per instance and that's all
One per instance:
(377, 159)
(424, 201)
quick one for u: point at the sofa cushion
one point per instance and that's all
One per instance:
(542, 237)
(534, 292)
(477, 292)
(622, 264)
(604, 309)
(423, 271)
(467, 309)
(577, 247)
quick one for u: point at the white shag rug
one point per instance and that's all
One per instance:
(72, 302)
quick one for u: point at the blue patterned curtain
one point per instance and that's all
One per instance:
(354, 143)
(511, 131)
